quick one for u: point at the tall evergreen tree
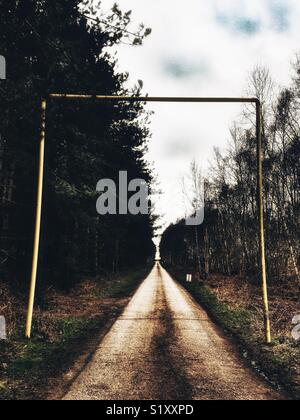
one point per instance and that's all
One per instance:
(52, 47)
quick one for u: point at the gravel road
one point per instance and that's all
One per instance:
(164, 347)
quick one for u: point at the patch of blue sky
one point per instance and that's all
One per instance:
(280, 15)
(247, 26)
(181, 69)
(240, 24)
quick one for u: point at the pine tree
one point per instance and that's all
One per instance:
(52, 47)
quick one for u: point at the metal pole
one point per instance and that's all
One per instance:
(38, 221)
(261, 223)
(169, 99)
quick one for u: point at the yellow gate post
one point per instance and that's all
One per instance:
(261, 222)
(38, 221)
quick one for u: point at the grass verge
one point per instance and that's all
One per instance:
(61, 334)
(279, 363)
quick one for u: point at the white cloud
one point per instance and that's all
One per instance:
(192, 52)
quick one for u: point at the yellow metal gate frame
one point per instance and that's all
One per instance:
(100, 98)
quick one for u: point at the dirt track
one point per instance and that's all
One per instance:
(165, 347)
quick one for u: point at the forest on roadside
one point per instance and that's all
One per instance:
(227, 241)
(67, 46)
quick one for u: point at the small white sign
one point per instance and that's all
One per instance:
(3, 335)
(189, 278)
(2, 68)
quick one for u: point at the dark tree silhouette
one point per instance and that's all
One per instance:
(52, 47)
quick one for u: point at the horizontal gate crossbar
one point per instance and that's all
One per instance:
(154, 98)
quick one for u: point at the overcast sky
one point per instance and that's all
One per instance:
(203, 48)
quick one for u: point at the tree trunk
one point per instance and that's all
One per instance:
(206, 254)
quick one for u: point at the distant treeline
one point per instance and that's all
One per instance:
(227, 242)
(49, 46)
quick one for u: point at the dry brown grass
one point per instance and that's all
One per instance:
(82, 301)
(237, 292)
(11, 308)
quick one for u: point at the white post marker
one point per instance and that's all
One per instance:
(189, 278)
(3, 335)
(2, 68)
